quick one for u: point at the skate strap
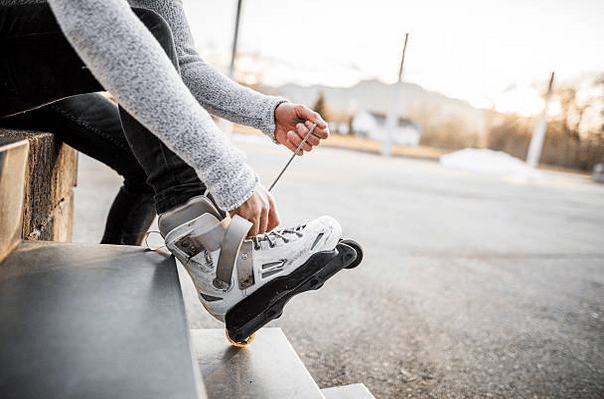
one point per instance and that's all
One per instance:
(231, 243)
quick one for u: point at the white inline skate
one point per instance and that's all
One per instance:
(246, 282)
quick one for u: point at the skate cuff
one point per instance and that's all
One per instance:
(226, 234)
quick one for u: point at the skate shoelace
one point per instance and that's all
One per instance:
(273, 236)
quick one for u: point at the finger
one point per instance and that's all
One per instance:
(314, 139)
(250, 211)
(305, 113)
(289, 143)
(254, 219)
(296, 140)
(273, 215)
(301, 129)
(254, 229)
(320, 133)
(264, 218)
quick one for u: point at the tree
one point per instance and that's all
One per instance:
(582, 118)
(322, 108)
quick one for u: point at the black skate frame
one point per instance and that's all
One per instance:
(267, 303)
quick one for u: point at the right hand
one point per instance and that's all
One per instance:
(260, 209)
(293, 122)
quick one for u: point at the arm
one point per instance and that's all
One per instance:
(123, 55)
(225, 98)
(218, 94)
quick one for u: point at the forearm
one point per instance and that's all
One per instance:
(227, 99)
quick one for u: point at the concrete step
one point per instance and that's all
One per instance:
(267, 368)
(93, 321)
(354, 391)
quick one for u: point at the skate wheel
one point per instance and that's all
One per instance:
(357, 248)
(240, 344)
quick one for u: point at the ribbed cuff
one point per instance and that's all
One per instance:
(267, 123)
(231, 181)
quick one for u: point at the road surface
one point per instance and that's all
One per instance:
(472, 285)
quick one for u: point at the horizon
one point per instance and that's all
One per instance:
(471, 51)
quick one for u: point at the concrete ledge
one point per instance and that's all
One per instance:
(93, 321)
(51, 175)
(267, 368)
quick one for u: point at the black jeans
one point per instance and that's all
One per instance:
(41, 75)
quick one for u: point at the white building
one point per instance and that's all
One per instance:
(372, 125)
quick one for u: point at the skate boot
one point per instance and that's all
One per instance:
(246, 282)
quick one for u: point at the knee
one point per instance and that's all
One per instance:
(160, 29)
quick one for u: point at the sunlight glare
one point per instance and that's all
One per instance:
(521, 100)
(554, 108)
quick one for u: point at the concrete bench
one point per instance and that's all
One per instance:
(85, 320)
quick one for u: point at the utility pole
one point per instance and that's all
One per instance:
(400, 70)
(224, 124)
(534, 152)
(392, 119)
(235, 38)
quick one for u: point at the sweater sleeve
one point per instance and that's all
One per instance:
(123, 55)
(218, 94)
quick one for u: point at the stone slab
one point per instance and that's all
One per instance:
(268, 368)
(93, 321)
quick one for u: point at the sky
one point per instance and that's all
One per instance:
(474, 50)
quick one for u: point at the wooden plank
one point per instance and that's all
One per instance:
(13, 162)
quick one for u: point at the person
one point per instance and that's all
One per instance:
(214, 214)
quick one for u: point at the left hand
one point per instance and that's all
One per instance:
(292, 124)
(260, 209)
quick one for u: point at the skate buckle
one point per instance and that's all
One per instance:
(189, 246)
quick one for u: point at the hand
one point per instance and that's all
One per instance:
(292, 124)
(260, 209)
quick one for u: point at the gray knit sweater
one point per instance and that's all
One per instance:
(123, 55)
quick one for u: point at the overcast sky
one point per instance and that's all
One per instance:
(469, 49)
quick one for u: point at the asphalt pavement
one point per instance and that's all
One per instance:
(472, 285)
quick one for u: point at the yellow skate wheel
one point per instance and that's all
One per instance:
(240, 344)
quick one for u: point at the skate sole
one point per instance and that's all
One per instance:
(267, 303)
